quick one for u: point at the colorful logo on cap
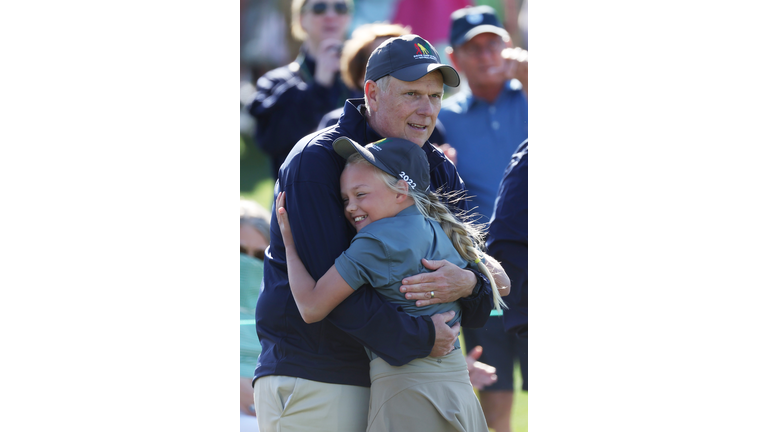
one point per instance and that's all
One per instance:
(423, 53)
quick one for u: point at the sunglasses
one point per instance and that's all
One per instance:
(321, 8)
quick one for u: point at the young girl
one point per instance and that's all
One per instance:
(385, 189)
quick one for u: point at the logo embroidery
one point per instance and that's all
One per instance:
(423, 53)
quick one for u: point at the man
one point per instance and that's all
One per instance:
(484, 125)
(317, 375)
(291, 100)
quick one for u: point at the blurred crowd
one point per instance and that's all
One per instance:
(301, 60)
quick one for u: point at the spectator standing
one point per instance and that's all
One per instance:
(508, 240)
(254, 239)
(290, 100)
(308, 371)
(485, 123)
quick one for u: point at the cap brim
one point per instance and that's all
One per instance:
(345, 148)
(486, 28)
(412, 73)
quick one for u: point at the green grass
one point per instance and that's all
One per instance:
(519, 404)
(257, 184)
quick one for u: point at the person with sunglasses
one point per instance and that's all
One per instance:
(290, 100)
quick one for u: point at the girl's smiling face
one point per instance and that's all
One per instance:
(365, 195)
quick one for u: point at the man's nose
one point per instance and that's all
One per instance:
(425, 106)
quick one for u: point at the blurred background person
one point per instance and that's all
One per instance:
(508, 243)
(508, 240)
(484, 123)
(290, 100)
(488, 119)
(254, 239)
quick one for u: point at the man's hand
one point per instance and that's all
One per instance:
(448, 283)
(445, 336)
(517, 59)
(480, 374)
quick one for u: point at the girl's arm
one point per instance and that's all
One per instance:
(315, 300)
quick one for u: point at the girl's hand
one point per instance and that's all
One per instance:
(282, 220)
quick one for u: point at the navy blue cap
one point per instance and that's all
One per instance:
(395, 156)
(408, 58)
(469, 22)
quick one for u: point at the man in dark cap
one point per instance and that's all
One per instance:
(317, 375)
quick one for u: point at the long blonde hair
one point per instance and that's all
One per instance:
(466, 236)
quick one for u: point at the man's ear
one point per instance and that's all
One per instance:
(449, 51)
(372, 92)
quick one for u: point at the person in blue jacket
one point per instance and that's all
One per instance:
(291, 100)
(317, 375)
(385, 189)
(508, 239)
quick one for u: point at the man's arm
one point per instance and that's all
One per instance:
(470, 287)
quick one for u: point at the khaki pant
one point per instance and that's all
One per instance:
(288, 404)
(426, 395)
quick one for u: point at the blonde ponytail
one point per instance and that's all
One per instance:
(465, 236)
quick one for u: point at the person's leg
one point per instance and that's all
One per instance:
(521, 353)
(288, 404)
(497, 406)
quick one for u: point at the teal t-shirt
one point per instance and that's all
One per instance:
(251, 274)
(390, 249)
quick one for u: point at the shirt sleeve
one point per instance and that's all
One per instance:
(366, 261)
(286, 108)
